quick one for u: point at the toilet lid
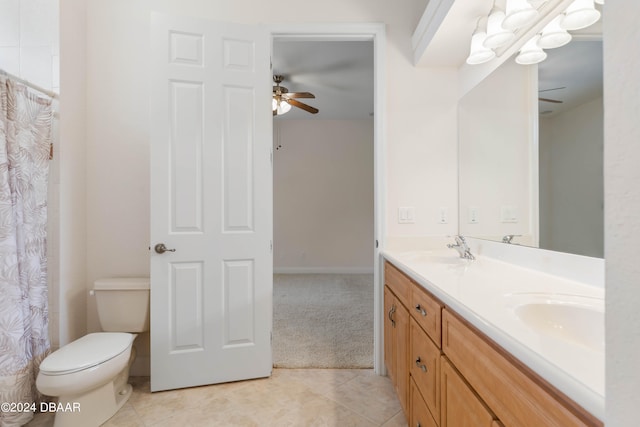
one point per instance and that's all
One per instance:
(83, 353)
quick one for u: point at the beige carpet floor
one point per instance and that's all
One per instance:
(323, 321)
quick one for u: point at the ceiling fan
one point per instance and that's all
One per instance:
(555, 101)
(283, 99)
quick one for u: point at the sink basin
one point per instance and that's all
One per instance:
(573, 318)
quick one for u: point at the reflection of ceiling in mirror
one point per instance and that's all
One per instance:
(576, 69)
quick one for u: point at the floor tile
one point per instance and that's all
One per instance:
(290, 397)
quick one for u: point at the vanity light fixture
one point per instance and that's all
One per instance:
(478, 52)
(484, 43)
(553, 35)
(519, 13)
(497, 35)
(531, 52)
(580, 14)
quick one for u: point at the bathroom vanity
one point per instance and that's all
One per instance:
(489, 343)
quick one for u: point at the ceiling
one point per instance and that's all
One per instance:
(338, 73)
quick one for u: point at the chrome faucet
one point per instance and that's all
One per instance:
(509, 238)
(462, 248)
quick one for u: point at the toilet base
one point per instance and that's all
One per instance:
(98, 405)
(95, 407)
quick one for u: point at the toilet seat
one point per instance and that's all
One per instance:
(86, 352)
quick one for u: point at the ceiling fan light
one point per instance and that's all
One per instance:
(497, 36)
(479, 54)
(283, 107)
(580, 14)
(518, 14)
(553, 35)
(531, 53)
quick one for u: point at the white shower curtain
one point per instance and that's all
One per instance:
(25, 135)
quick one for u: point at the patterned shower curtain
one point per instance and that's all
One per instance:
(25, 135)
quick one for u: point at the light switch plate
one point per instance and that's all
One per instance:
(509, 213)
(406, 215)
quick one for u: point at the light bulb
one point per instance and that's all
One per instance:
(531, 53)
(478, 53)
(497, 36)
(580, 14)
(553, 35)
(519, 13)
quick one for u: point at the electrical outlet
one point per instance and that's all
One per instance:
(473, 215)
(443, 217)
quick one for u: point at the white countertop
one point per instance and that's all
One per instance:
(488, 291)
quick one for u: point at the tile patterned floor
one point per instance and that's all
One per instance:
(291, 397)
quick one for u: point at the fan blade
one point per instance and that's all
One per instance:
(305, 107)
(555, 101)
(300, 95)
(555, 88)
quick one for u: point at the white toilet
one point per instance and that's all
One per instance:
(91, 373)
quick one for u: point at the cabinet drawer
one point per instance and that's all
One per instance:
(425, 368)
(398, 283)
(427, 311)
(460, 405)
(420, 415)
(518, 396)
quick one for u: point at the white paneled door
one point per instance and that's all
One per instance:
(211, 202)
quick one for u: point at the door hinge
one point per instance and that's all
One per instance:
(271, 157)
(271, 246)
(376, 243)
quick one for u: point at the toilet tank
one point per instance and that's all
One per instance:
(123, 304)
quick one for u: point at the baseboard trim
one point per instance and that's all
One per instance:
(323, 270)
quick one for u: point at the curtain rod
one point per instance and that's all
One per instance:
(29, 84)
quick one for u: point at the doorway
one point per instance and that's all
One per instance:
(312, 235)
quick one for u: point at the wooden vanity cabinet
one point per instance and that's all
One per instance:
(517, 395)
(396, 345)
(449, 374)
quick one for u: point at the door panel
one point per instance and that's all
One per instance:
(211, 202)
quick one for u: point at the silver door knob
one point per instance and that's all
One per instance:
(161, 248)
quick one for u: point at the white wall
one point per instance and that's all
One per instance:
(622, 205)
(571, 181)
(496, 149)
(72, 251)
(323, 196)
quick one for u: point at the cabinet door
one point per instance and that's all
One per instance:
(425, 368)
(396, 346)
(460, 405)
(401, 340)
(389, 359)
(420, 415)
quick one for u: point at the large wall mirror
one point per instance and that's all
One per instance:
(530, 153)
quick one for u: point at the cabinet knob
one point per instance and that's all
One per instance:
(421, 310)
(420, 365)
